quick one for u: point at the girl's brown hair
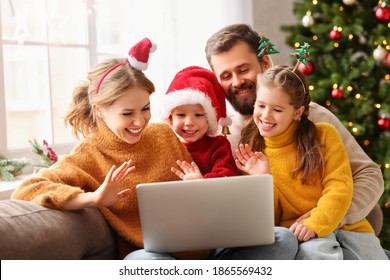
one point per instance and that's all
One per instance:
(309, 160)
(81, 116)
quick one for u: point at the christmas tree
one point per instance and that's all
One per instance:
(349, 71)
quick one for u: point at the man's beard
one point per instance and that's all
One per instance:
(243, 105)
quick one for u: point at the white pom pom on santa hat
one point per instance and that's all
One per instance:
(138, 55)
(197, 85)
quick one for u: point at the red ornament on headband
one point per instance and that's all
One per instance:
(137, 57)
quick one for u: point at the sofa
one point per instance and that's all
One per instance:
(39, 233)
(31, 232)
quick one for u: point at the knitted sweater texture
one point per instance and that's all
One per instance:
(85, 168)
(213, 156)
(328, 199)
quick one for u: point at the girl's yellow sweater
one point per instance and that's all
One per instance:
(85, 168)
(327, 199)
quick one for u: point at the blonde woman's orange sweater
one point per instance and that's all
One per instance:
(85, 168)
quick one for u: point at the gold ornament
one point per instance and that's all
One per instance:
(225, 131)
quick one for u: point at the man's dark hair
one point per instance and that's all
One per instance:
(227, 37)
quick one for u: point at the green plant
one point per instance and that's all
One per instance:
(10, 168)
(45, 152)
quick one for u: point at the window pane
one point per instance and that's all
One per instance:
(27, 94)
(117, 30)
(24, 20)
(54, 21)
(67, 21)
(68, 67)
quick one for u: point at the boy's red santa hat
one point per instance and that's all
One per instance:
(138, 55)
(197, 85)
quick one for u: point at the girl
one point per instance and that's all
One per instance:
(312, 176)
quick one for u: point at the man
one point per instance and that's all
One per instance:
(232, 55)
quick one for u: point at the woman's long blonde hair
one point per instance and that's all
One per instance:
(81, 116)
(309, 158)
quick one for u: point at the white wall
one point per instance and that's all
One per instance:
(268, 17)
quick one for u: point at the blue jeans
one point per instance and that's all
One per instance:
(285, 247)
(362, 245)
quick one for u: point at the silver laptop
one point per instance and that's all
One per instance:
(207, 213)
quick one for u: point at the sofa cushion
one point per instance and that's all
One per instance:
(30, 231)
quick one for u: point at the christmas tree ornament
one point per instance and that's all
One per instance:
(335, 33)
(382, 13)
(384, 123)
(308, 20)
(306, 70)
(388, 60)
(349, 2)
(379, 54)
(362, 40)
(337, 93)
(266, 47)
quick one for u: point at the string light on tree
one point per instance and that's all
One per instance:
(349, 2)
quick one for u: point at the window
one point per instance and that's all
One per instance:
(47, 46)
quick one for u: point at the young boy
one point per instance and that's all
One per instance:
(194, 106)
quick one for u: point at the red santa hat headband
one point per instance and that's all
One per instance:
(197, 85)
(137, 57)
